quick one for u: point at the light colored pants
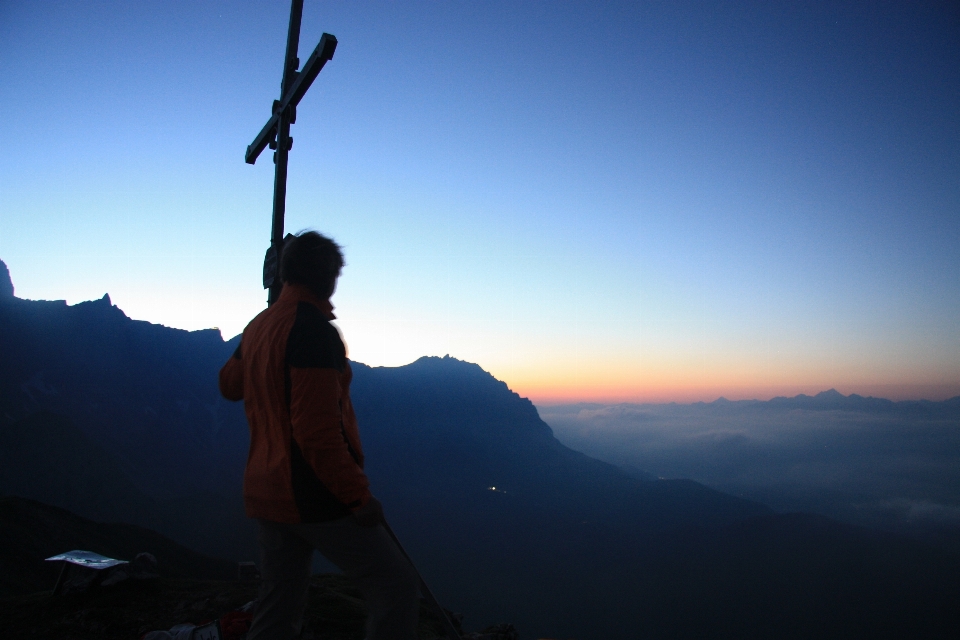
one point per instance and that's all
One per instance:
(366, 555)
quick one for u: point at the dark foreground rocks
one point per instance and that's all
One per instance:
(335, 610)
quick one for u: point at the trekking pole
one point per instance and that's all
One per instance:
(451, 631)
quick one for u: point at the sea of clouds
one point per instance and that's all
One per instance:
(896, 468)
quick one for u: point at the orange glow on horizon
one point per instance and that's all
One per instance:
(670, 378)
(564, 394)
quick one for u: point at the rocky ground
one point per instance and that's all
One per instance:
(335, 610)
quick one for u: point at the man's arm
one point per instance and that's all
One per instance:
(231, 376)
(317, 428)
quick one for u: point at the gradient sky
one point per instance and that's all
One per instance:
(606, 201)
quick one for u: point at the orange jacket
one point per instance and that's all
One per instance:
(291, 371)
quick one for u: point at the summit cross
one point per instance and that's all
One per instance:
(276, 134)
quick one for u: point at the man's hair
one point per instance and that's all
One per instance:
(312, 260)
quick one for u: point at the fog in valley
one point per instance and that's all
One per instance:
(861, 460)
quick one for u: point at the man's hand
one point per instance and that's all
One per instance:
(370, 514)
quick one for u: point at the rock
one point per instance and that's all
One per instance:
(6, 282)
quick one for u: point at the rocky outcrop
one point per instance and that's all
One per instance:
(6, 282)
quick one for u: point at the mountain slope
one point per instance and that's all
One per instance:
(447, 425)
(43, 456)
(143, 390)
(568, 545)
(142, 394)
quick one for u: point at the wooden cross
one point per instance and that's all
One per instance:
(276, 134)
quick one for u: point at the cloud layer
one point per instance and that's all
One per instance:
(889, 464)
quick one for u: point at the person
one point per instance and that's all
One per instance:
(304, 481)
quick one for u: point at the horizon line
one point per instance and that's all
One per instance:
(547, 394)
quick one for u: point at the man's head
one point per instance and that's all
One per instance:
(312, 260)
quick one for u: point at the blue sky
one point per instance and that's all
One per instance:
(622, 201)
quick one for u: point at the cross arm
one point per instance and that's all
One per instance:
(292, 97)
(310, 71)
(266, 135)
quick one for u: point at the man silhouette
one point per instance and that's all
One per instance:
(304, 480)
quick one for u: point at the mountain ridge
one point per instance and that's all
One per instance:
(504, 521)
(830, 399)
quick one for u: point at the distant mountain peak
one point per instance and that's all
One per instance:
(438, 359)
(446, 362)
(831, 394)
(102, 308)
(6, 282)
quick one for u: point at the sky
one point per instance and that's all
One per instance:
(650, 201)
